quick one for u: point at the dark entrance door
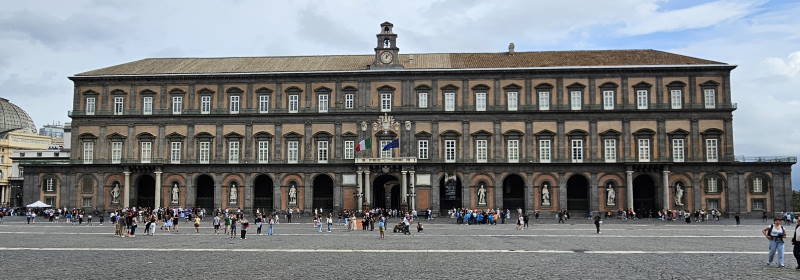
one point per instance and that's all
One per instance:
(384, 194)
(323, 192)
(205, 192)
(449, 193)
(644, 195)
(578, 193)
(145, 191)
(514, 193)
(262, 193)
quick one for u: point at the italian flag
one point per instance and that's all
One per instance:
(364, 144)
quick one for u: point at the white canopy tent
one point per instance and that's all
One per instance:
(38, 204)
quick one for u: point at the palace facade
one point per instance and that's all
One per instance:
(578, 130)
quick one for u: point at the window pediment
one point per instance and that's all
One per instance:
(118, 92)
(644, 132)
(450, 134)
(263, 135)
(349, 135)
(712, 132)
(322, 135)
(512, 87)
(678, 133)
(234, 90)
(642, 85)
(292, 136)
(233, 135)
(388, 134)
(513, 133)
(263, 90)
(423, 134)
(349, 89)
(610, 133)
(544, 86)
(205, 91)
(709, 84)
(87, 136)
(116, 137)
(145, 136)
(481, 134)
(449, 87)
(545, 133)
(480, 87)
(676, 84)
(147, 92)
(293, 90)
(90, 92)
(577, 133)
(176, 91)
(204, 136)
(609, 86)
(175, 137)
(386, 88)
(323, 90)
(576, 86)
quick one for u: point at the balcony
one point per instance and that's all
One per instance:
(787, 159)
(394, 160)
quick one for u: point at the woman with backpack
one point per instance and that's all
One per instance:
(775, 234)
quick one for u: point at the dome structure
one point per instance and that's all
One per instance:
(12, 117)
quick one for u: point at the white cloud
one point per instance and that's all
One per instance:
(649, 19)
(789, 67)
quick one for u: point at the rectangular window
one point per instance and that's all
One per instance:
(263, 104)
(450, 150)
(449, 101)
(50, 186)
(177, 105)
(422, 149)
(513, 151)
(116, 152)
(575, 100)
(711, 150)
(710, 98)
(387, 153)
(322, 151)
(263, 151)
(386, 102)
(233, 152)
(175, 152)
(88, 152)
(322, 103)
(422, 100)
(608, 100)
(513, 100)
(294, 103)
(205, 152)
(293, 152)
(577, 150)
(758, 186)
(87, 202)
(711, 185)
(146, 154)
(758, 204)
(205, 104)
(349, 100)
(349, 149)
(544, 151)
(641, 99)
(234, 104)
(644, 150)
(712, 204)
(610, 150)
(90, 106)
(481, 150)
(676, 99)
(480, 101)
(544, 100)
(147, 105)
(119, 105)
(677, 149)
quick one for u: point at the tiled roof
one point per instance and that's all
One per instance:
(153, 66)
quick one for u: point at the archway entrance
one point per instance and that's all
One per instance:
(386, 192)
(262, 193)
(145, 191)
(205, 192)
(644, 195)
(323, 192)
(449, 193)
(578, 193)
(514, 192)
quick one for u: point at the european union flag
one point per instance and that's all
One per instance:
(394, 144)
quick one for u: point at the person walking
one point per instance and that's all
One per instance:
(233, 227)
(597, 222)
(215, 222)
(196, 224)
(270, 230)
(330, 223)
(796, 243)
(381, 228)
(775, 234)
(245, 225)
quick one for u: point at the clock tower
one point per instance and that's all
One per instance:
(386, 53)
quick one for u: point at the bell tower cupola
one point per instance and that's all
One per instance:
(386, 52)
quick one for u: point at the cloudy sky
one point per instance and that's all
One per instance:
(43, 42)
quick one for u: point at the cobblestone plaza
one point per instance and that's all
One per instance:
(635, 250)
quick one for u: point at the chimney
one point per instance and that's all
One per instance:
(511, 48)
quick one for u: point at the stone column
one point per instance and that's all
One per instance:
(412, 183)
(126, 191)
(666, 190)
(629, 189)
(404, 187)
(367, 189)
(157, 203)
(594, 204)
(360, 181)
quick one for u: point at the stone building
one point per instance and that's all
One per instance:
(577, 130)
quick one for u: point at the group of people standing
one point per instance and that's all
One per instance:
(776, 233)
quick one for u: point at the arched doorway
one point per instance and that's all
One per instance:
(578, 193)
(205, 192)
(514, 192)
(323, 192)
(145, 191)
(262, 193)
(449, 192)
(386, 192)
(644, 195)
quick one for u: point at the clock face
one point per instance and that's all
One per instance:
(386, 57)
